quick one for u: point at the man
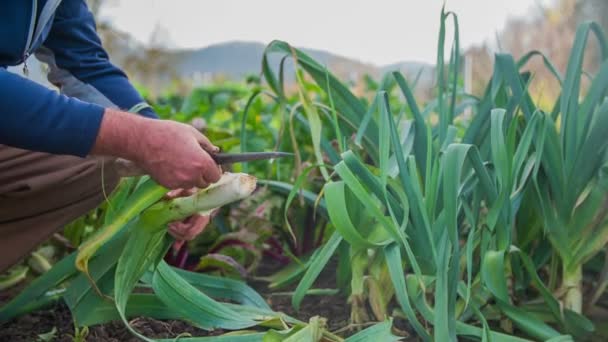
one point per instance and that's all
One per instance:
(53, 146)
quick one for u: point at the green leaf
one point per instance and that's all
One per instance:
(317, 264)
(420, 140)
(243, 140)
(146, 194)
(297, 186)
(49, 336)
(352, 109)
(309, 197)
(569, 105)
(378, 332)
(311, 332)
(195, 306)
(493, 275)
(314, 120)
(14, 277)
(37, 290)
(393, 261)
(144, 249)
(225, 288)
(335, 195)
(357, 188)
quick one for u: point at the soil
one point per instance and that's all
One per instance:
(334, 308)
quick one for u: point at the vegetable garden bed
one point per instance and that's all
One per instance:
(57, 321)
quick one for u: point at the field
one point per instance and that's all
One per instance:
(460, 218)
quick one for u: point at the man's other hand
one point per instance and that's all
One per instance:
(174, 154)
(190, 227)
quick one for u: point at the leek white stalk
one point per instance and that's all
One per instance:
(572, 282)
(230, 188)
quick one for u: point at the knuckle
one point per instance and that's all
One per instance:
(199, 164)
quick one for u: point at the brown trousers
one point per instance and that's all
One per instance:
(40, 193)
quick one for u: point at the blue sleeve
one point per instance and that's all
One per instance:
(40, 119)
(77, 48)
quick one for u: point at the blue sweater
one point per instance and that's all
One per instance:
(39, 119)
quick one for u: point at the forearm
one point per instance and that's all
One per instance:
(119, 135)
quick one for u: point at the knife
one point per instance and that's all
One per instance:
(233, 158)
(126, 168)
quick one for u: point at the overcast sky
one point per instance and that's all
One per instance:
(375, 31)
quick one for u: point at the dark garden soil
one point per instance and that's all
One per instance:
(333, 308)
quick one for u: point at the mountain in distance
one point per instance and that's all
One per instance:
(236, 60)
(409, 67)
(424, 72)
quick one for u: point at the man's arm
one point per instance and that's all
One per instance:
(77, 49)
(39, 119)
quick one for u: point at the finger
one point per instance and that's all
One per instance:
(202, 183)
(176, 229)
(198, 226)
(190, 227)
(212, 173)
(206, 143)
(175, 193)
(177, 236)
(181, 192)
(190, 191)
(190, 235)
(199, 222)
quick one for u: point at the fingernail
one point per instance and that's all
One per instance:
(216, 149)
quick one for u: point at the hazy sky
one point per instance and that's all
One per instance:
(376, 31)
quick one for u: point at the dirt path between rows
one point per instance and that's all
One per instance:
(334, 308)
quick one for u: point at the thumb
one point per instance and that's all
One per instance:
(206, 143)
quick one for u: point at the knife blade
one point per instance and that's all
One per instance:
(233, 158)
(126, 168)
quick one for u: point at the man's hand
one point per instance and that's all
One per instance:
(190, 227)
(177, 155)
(174, 154)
